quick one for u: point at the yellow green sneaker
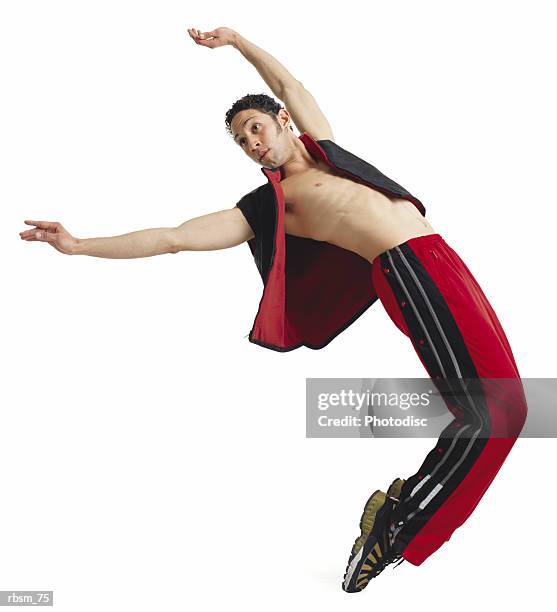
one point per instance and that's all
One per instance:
(372, 550)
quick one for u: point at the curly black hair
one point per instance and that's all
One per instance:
(261, 102)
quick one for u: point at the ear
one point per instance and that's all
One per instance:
(283, 117)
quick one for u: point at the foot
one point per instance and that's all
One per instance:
(372, 551)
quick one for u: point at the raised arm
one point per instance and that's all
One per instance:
(299, 102)
(218, 230)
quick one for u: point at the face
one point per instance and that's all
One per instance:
(258, 134)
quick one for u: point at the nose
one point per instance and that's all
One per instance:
(255, 146)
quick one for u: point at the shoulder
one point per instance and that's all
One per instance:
(321, 134)
(253, 203)
(255, 194)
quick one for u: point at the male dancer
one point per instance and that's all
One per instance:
(352, 236)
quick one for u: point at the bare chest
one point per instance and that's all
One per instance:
(318, 199)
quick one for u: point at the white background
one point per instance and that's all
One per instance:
(152, 458)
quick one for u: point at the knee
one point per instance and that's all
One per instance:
(508, 406)
(516, 413)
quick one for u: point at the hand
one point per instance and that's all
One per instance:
(52, 232)
(213, 39)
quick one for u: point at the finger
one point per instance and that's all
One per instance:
(42, 224)
(195, 35)
(26, 233)
(44, 236)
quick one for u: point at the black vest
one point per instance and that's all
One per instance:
(312, 290)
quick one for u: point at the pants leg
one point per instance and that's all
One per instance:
(433, 298)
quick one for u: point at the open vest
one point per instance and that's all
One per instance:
(312, 290)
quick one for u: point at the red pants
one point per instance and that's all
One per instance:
(432, 297)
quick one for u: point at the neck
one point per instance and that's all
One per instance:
(298, 161)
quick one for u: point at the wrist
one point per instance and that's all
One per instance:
(77, 248)
(236, 40)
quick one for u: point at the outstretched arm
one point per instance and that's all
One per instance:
(218, 230)
(299, 102)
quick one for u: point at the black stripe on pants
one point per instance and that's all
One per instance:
(442, 348)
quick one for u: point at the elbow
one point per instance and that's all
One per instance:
(291, 85)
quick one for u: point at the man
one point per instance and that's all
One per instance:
(334, 234)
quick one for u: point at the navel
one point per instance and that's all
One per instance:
(318, 184)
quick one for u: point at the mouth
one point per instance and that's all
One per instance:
(262, 156)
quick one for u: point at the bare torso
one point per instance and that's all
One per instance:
(324, 205)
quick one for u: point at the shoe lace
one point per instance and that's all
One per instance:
(397, 559)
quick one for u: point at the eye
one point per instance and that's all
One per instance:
(242, 140)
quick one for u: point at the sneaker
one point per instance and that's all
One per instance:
(372, 550)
